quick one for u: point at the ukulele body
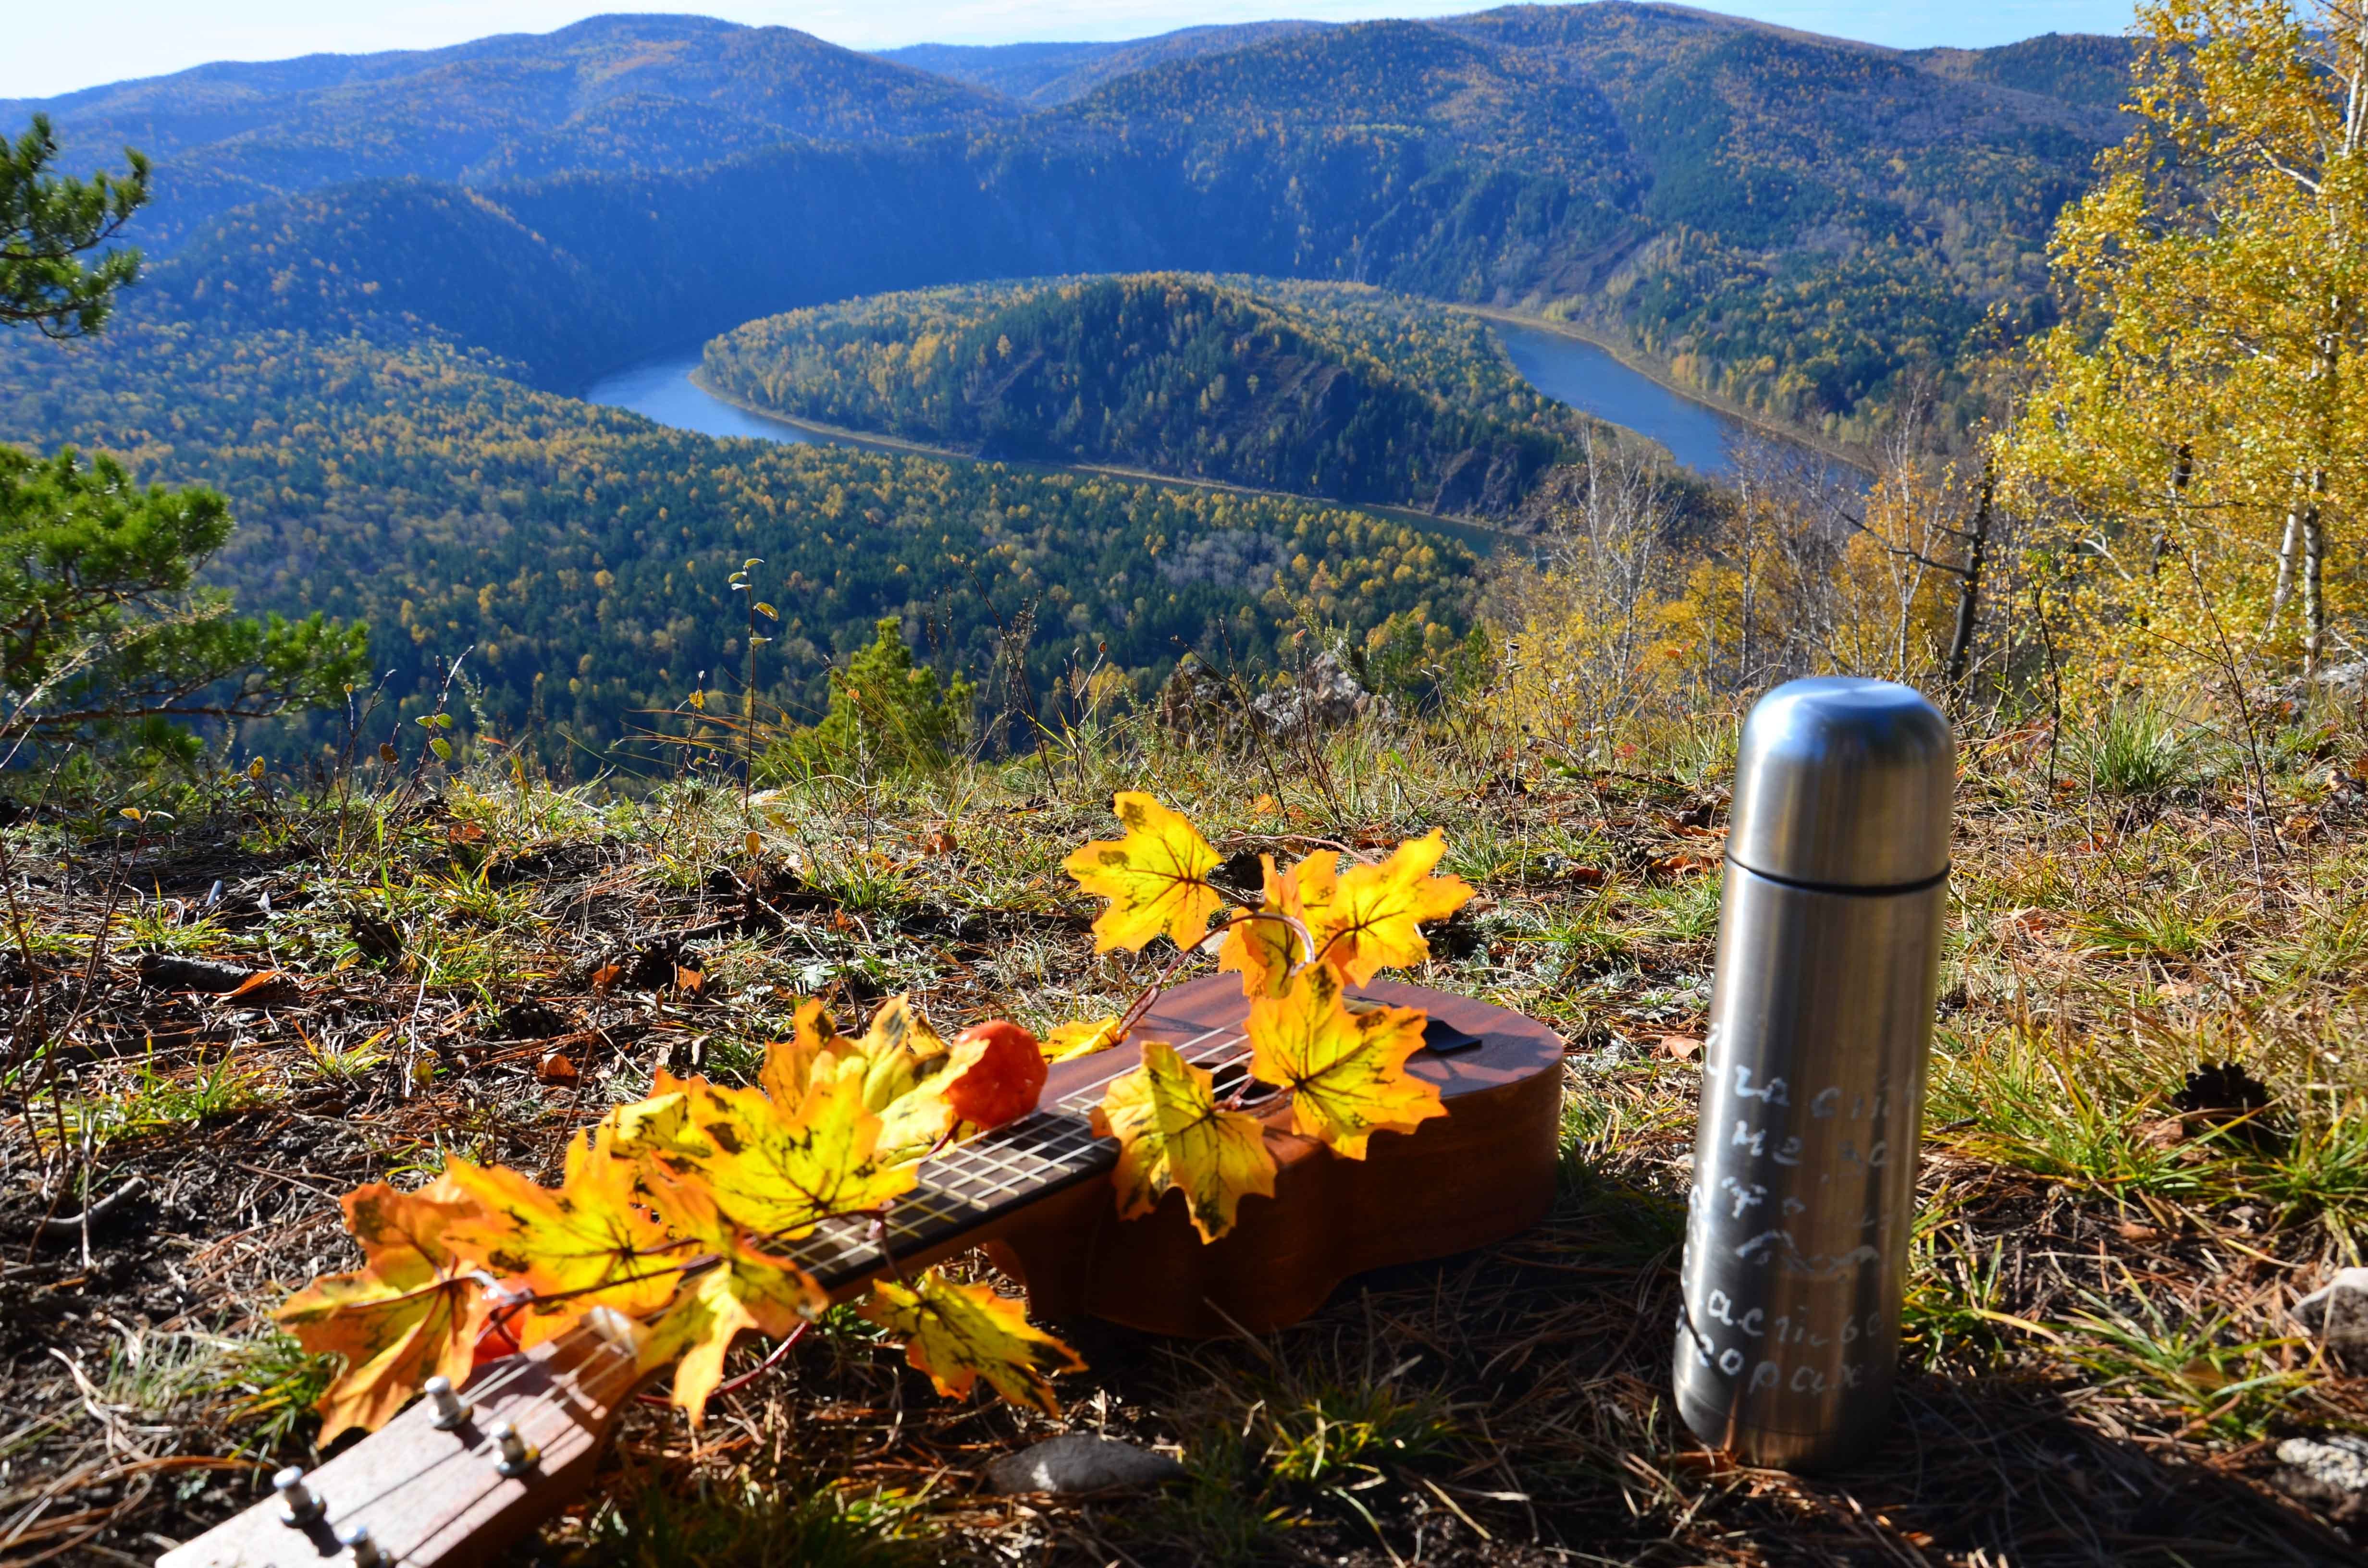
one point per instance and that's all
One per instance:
(1476, 1176)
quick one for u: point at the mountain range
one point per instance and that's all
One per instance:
(1788, 221)
(378, 281)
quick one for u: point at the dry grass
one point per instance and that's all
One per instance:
(2097, 1306)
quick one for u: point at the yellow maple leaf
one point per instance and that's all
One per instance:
(1344, 1069)
(1371, 919)
(1172, 1133)
(1156, 877)
(959, 1333)
(589, 1240)
(774, 1172)
(414, 1310)
(1084, 1038)
(733, 1285)
(899, 1030)
(1266, 948)
(900, 1060)
(789, 1063)
(906, 1066)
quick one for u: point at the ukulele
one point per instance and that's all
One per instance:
(460, 1475)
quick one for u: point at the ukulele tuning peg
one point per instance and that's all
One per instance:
(298, 1505)
(517, 1458)
(450, 1408)
(362, 1548)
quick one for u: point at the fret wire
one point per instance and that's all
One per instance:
(996, 1160)
(1008, 1137)
(929, 1206)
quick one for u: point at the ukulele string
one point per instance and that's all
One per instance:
(614, 1370)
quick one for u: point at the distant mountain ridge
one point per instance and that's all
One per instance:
(615, 94)
(1048, 75)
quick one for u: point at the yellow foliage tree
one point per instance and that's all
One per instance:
(2194, 433)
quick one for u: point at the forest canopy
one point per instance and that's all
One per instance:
(574, 560)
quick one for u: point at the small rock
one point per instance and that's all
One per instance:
(2331, 1472)
(2336, 1315)
(1322, 696)
(1080, 1462)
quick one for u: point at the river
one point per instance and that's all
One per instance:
(1567, 368)
(1571, 370)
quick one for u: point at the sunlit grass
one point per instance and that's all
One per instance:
(157, 1099)
(774, 1523)
(2196, 1365)
(2058, 1107)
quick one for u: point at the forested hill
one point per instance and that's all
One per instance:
(1173, 373)
(1795, 223)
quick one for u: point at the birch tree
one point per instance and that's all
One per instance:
(2196, 424)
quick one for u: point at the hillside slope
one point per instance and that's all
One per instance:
(1168, 372)
(1803, 225)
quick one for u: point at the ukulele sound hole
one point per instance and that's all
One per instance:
(1224, 1080)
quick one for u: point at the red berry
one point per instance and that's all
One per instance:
(1003, 1083)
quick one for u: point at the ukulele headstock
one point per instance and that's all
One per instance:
(453, 1479)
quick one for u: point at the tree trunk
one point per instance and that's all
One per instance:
(1969, 586)
(2288, 548)
(2314, 601)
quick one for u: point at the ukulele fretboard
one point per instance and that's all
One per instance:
(971, 1183)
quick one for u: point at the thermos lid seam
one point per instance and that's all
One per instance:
(1855, 889)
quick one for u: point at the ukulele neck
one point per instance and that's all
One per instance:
(966, 1188)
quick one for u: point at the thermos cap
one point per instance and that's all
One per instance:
(1844, 783)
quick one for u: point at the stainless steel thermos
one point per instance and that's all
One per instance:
(1812, 1074)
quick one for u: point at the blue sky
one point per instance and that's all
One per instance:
(55, 48)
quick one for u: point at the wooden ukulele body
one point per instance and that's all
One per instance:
(1478, 1174)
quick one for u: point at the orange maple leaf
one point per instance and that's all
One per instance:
(589, 1240)
(1156, 877)
(414, 1310)
(959, 1333)
(789, 1063)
